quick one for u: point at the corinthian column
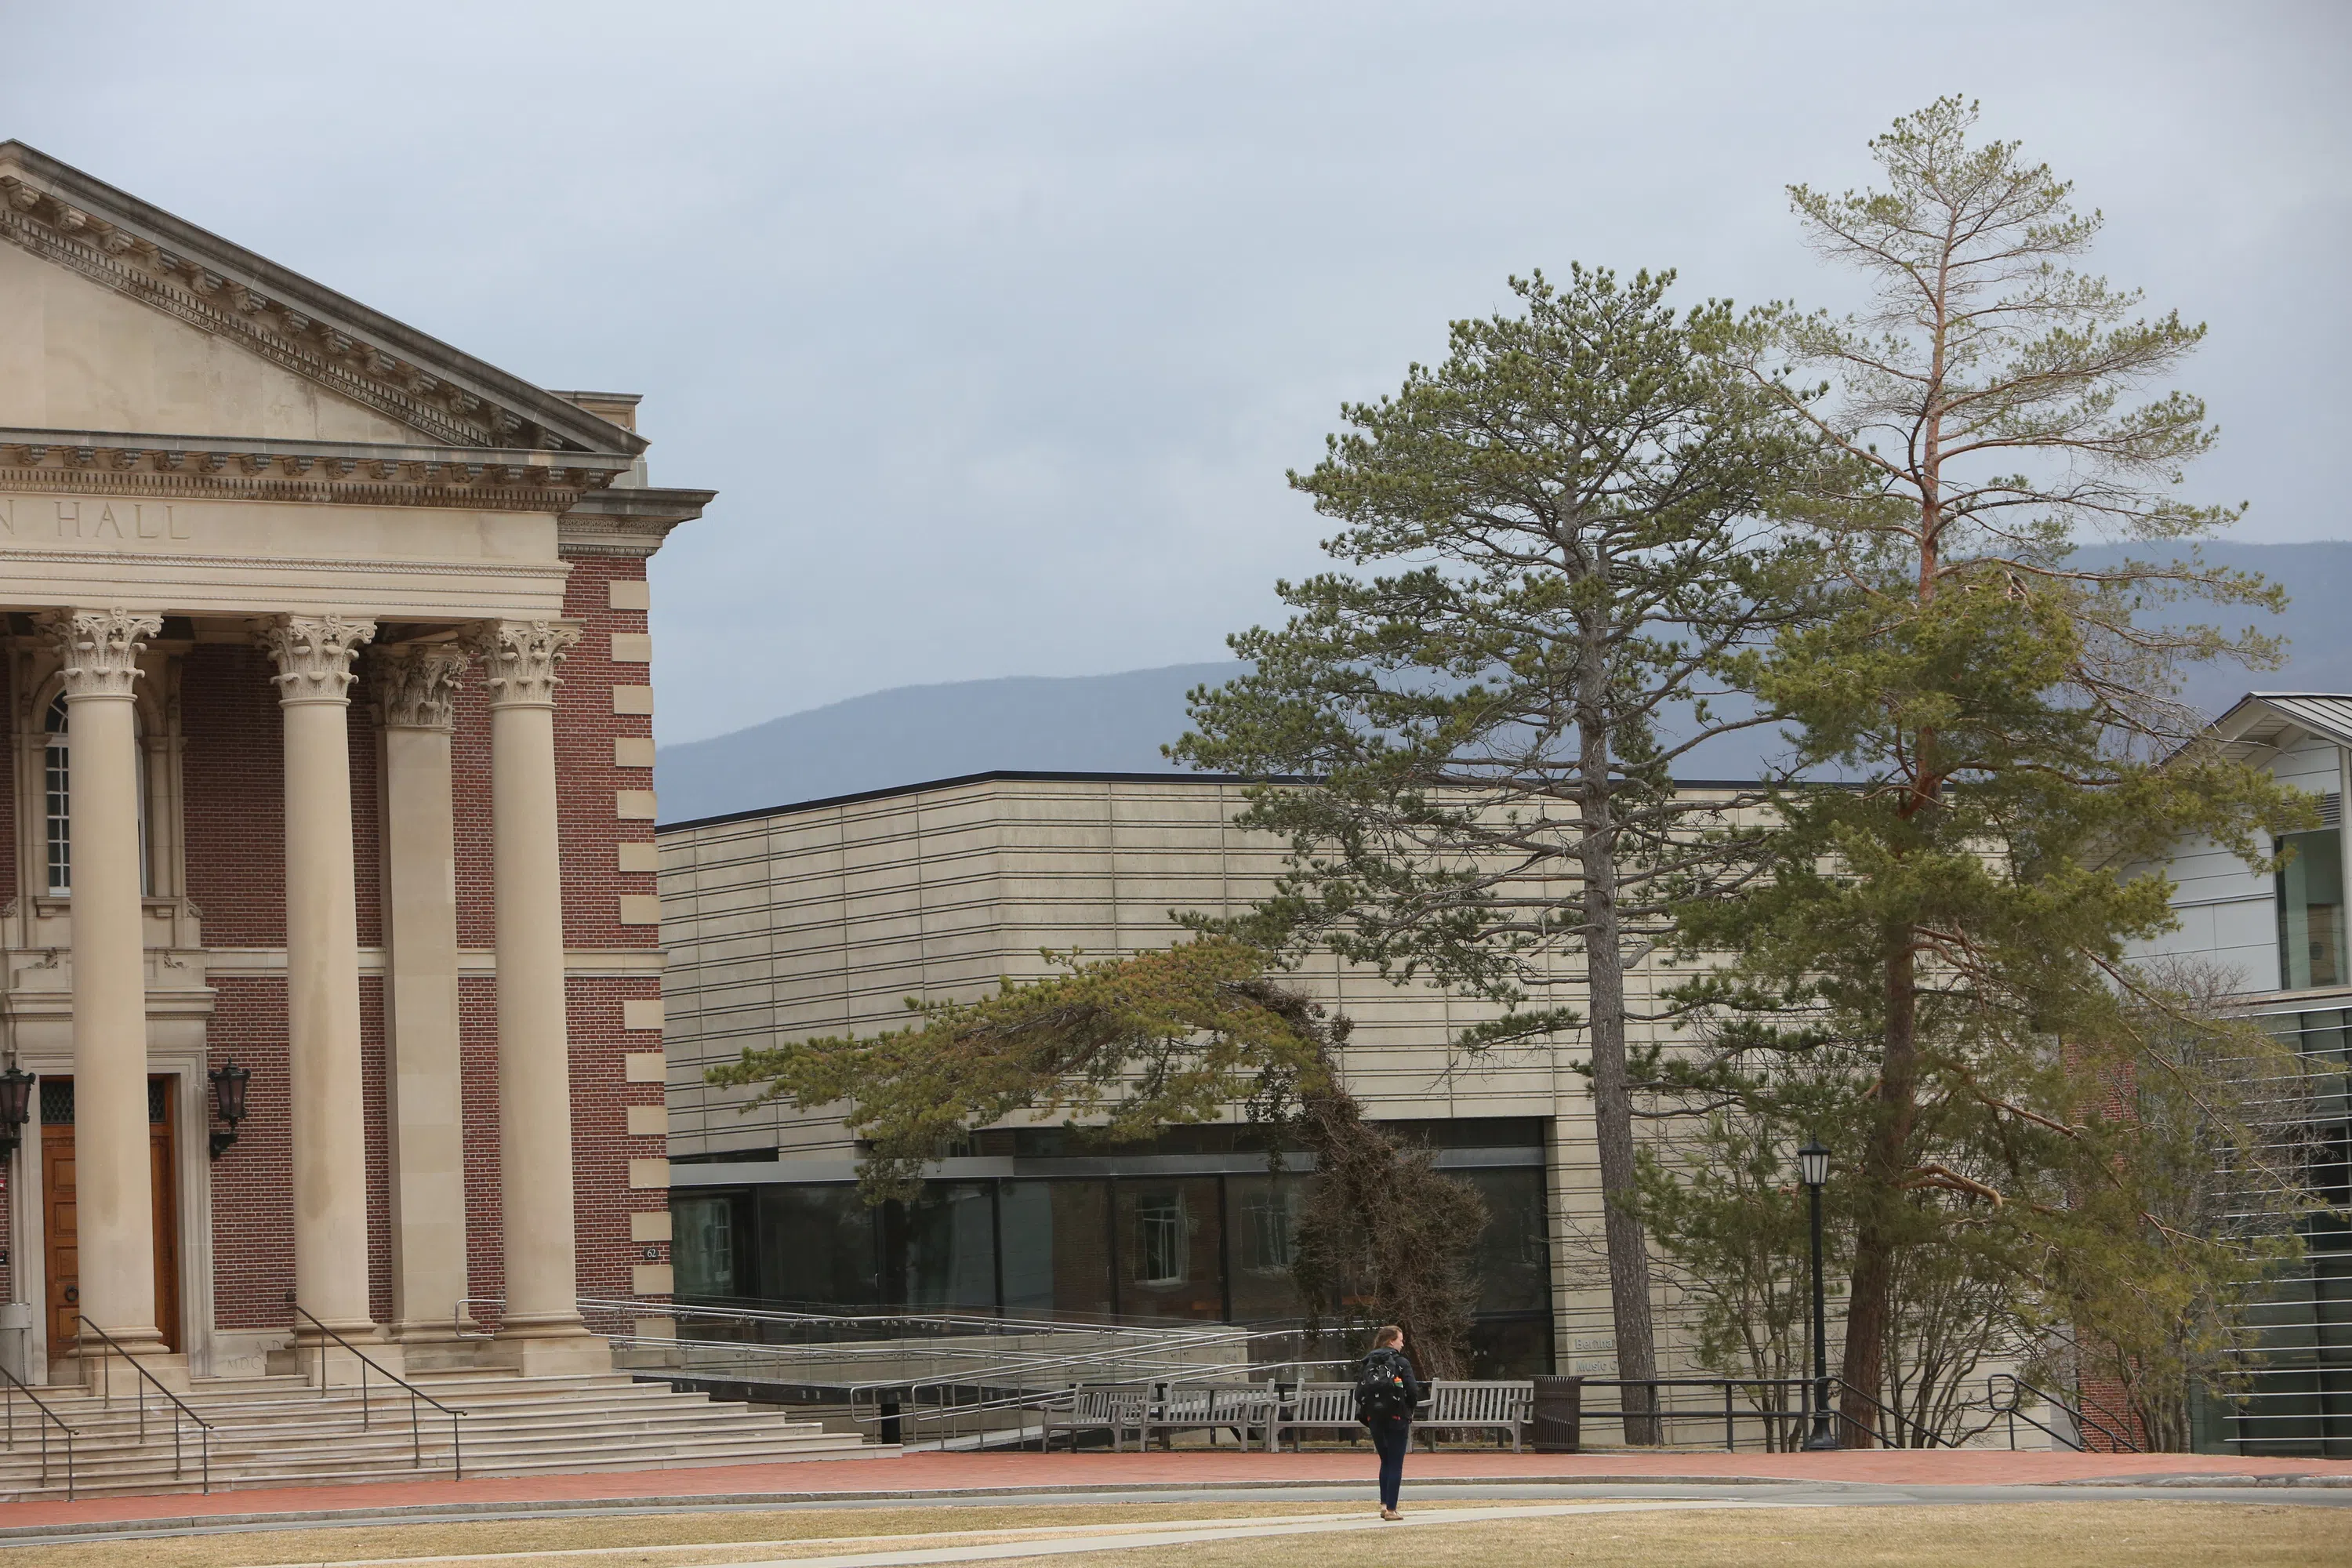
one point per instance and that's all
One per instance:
(314, 657)
(114, 1196)
(416, 692)
(542, 1331)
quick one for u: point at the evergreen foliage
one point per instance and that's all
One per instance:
(1953, 926)
(1124, 1046)
(1574, 513)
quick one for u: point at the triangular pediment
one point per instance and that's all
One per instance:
(115, 315)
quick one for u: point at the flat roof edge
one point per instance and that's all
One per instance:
(1015, 776)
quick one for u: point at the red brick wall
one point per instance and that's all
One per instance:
(253, 1190)
(587, 779)
(478, 1034)
(233, 778)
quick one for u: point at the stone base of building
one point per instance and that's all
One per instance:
(108, 1372)
(319, 1359)
(440, 1347)
(553, 1350)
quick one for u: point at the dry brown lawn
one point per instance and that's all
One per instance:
(2020, 1535)
(2127, 1534)
(830, 1530)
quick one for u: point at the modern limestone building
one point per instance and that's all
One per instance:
(329, 759)
(824, 917)
(2278, 942)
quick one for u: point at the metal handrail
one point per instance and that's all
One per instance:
(106, 1392)
(1935, 1440)
(54, 1420)
(416, 1428)
(2020, 1388)
(1662, 1413)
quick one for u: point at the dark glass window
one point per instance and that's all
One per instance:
(2310, 911)
(705, 1245)
(946, 1250)
(1057, 1248)
(1514, 1255)
(816, 1248)
(1170, 1247)
(1264, 1214)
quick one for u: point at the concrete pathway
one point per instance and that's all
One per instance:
(1180, 1533)
(1038, 1542)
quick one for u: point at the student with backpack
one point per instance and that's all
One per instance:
(1386, 1392)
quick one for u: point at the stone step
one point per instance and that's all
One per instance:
(245, 1470)
(280, 1431)
(112, 1481)
(315, 1412)
(571, 1426)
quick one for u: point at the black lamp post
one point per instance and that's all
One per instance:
(1813, 1169)
(16, 1107)
(229, 1081)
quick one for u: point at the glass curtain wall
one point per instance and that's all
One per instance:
(2299, 1400)
(1203, 1249)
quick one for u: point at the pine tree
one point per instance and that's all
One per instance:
(2007, 710)
(1575, 510)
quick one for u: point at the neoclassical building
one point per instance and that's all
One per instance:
(329, 720)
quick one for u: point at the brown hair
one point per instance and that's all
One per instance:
(1386, 1335)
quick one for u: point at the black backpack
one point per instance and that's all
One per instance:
(1381, 1387)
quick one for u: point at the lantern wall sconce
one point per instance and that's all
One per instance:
(16, 1107)
(229, 1081)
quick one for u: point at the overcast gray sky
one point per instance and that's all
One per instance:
(996, 325)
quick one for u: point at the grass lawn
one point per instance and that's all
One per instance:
(2033, 1535)
(2020, 1535)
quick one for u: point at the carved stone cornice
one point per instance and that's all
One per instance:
(518, 658)
(202, 467)
(136, 250)
(417, 684)
(626, 520)
(314, 654)
(100, 648)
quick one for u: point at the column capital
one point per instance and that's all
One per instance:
(314, 654)
(417, 684)
(518, 658)
(100, 648)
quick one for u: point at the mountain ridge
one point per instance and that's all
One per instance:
(1117, 723)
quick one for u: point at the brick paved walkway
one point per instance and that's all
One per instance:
(916, 1475)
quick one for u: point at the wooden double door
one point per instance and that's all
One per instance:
(60, 1225)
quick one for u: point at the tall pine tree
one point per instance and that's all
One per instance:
(2004, 705)
(1573, 514)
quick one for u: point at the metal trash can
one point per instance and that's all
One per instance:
(1557, 1424)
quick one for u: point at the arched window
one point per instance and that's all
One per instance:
(58, 803)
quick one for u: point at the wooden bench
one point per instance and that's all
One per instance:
(1314, 1407)
(1478, 1407)
(1210, 1407)
(1117, 1408)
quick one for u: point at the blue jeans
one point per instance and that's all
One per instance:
(1390, 1436)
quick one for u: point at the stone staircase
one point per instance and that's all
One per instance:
(282, 1431)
